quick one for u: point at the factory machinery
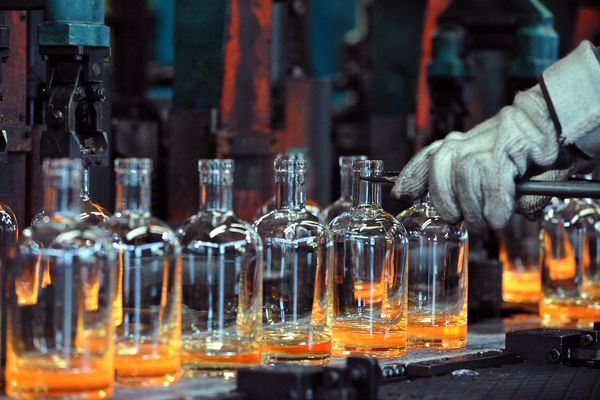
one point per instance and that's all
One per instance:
(177, 81)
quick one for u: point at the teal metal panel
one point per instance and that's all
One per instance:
(74, 23)
(329, 21)
(396, 50)
(199, 47)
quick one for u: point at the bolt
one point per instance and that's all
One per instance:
(553, 356)
(79, 93)
(586, 339)
(100, 95)
(22, 17)
(1, 95)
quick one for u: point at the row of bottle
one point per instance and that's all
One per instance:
(133, 300)
(555, 262)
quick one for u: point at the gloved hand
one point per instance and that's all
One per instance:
(471, 175)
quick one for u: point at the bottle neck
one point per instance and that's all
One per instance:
(289, 190)
(216, 192)
(85, 184)
(133, 191)
(346, 183)
(365, 193)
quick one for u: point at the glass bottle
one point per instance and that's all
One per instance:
(89, 211)
(370, 273)
(271, 204)
(344, 203)
(570, 241)
(297, 290)
(520, 256)
(437, 278)
(9, 237)
(222, 280)
(148, 301)
(60, 340)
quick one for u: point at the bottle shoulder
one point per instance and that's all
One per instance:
(421, 221)
(295, 223)
(216, 227)
(66, 235)
(139, 229)
(8, 220)
(368, 221)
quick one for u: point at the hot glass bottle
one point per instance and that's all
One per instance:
(344, 203)
(437, 279)
(148, 300)
(297, 290)
(370, 273)
(222, 280)
(271, 204)
(89, 211)
(9, 236)
(520, 256)
(570, 241)
(60, 339)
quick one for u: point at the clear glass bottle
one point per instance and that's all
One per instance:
(437, 278)
(9, 237)
(60, 340)
(271, 204)
(370, 273)
(344, 203)
(570, 241)
(520, 256)
(89, 211)
(148, 300)
(222, 280)
(297, 287)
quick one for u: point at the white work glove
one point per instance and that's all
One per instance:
(471, 175)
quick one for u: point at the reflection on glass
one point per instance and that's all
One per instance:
(270, 205)
(370, 273)
(222, 280)
(437, 279)
(90, 212)
(520, 257)
(344, 203)
(61, 287)
(297, 291)
(570, 241)
(148, 300)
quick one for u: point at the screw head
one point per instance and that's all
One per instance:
(553, 355)
(100, 95)
(586, 339)
(79, 93)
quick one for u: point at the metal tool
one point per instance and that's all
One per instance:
(566, 189)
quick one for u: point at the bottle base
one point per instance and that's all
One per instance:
(51, 393)
(436, 343)
(578, 314)
(374, 352)
(195, 372)
(146, 381)
(304, 354)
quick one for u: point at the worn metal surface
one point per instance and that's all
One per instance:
(74, 23)
(245, 134)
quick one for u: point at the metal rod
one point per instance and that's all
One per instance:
(567, 189)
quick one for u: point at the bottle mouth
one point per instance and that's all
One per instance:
(368, 168)
(290, 164)
(143, 165)
(215, 166)
(63, 172)
(347, 161)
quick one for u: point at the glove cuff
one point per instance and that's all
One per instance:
(571, 88)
